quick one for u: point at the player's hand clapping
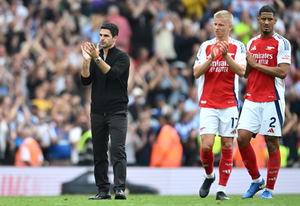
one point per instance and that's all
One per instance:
(214, 50)
(250, 59)
(224, 47)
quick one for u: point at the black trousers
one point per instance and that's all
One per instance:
(102, 126)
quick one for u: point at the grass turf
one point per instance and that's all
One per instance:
(151, 200)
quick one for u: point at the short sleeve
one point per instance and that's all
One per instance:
(201, 55)
(240, 56)
(284, 51)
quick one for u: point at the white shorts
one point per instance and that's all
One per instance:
(223, 121)
(265, 118)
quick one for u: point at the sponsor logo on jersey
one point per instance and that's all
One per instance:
(263, 61)
(270, 48)
(253, 48)
(218, 69)
(218, 66)
(271, 130)
(288, 57)
(203, 102)
(263, 56)
(233, 132)
(202, 128)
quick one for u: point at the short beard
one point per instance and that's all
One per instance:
(266, 32)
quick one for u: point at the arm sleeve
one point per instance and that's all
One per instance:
(120, 66)
(85, 81)
(284, 52)
(201, 55)
(240, 56)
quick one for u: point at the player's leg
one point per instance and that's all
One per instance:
(225, 166)
(208, 128)
(207, 160)
(272, 130)
(227, 131)
(249, 124)
(274, 162)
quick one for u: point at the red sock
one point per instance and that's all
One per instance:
(207, 160)
(249, 160)
(225, 166)
(273, 169)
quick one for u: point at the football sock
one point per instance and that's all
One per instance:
(273, 169)
(210, 176)
(225, 166)
(258, 180)
(207, 160)
(269, 190)
(249, 160)
(221, 188)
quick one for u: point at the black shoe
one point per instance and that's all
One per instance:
(204, 190)
(101, 196)
(222, 196)
(120, 195)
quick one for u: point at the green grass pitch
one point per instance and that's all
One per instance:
(151, 200)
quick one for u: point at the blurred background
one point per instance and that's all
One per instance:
(41, 96)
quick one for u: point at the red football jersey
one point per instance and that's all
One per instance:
(271, 51)
(218, 86)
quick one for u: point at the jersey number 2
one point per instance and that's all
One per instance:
(273, 119)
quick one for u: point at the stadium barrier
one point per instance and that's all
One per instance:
(49, 181)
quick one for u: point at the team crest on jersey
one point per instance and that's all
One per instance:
(270, 48)
(253, 48)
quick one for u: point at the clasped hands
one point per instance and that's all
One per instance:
(90, 51)
(223, 46)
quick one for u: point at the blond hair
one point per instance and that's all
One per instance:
(224, 14)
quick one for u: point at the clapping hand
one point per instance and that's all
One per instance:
(224, 47)
(89, 51)
(250, 59)
(214, 50)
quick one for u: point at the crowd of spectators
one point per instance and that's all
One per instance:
(41, 61)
